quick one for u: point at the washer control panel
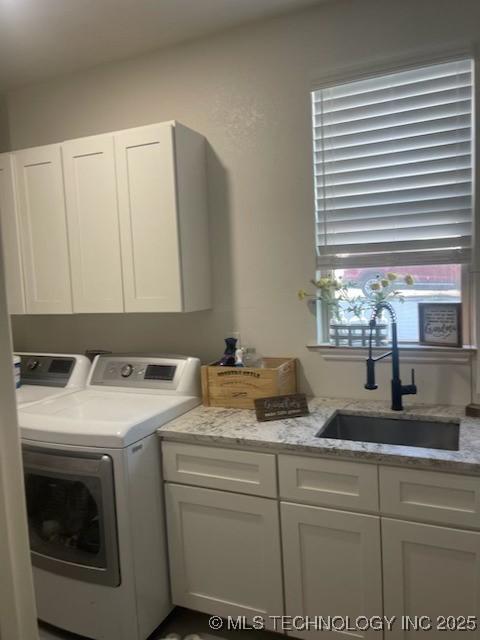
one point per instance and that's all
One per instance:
(123, 370)
(164, 374)
(167, 374)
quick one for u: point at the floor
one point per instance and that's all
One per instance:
(181, 622)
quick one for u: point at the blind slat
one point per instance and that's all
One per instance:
(397, 259)
(392, 107)
(409, 244)
(335, 140)
(372, 181)
(417, 117)
(423, 87)
(402, 170)
(408, 143)
(400, 234)
(437, 219)
(392, 197)
(400, 78)
(393, 167)
(438, 206)
(404, 158)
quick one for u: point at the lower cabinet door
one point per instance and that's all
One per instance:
(332, 566)
(431, 580)
(224, 551)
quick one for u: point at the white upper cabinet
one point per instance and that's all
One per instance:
(93, 227)
(163, 218)
(11, 236)
(109, 223)
(41, 202)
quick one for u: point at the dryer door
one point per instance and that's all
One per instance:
(71, 514)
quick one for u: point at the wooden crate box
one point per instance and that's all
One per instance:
(238, 387)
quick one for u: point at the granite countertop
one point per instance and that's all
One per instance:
(239, 428)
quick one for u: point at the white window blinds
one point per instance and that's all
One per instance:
(393, 168)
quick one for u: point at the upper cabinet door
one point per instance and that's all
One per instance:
(148, 219)
(41, 201)
(11, 236)
(191, 179)
(93, 227)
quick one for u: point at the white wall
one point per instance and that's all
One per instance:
(247, 91)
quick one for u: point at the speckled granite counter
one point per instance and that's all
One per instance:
(239, 428)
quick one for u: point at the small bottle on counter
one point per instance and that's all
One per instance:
(239, 355)
(228, 358)
(252, 359)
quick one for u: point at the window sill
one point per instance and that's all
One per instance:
(410, 353)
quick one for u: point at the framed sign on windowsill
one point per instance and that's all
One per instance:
(440, 324)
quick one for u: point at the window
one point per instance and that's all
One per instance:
(393, 182)
(431, 283)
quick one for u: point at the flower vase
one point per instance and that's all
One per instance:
(357, 332)
(339, 328)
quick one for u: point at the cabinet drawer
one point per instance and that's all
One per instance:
(329, 482)
(227, 469)
(429, 495)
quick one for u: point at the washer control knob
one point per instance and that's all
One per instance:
(126, 370)
(32, 364)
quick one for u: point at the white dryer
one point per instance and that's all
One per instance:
(93, 479)
(49, 375)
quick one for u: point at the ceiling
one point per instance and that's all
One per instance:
(44, 38)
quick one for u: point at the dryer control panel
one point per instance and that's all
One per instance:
(49, 371)
(69, 370)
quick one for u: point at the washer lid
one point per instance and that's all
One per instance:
(101, 418)
(29, 393)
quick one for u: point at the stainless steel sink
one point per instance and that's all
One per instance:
(411, 433)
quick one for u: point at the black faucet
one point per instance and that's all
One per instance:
(398, 389)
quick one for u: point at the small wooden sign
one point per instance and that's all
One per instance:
(440, 324)
(293, 405)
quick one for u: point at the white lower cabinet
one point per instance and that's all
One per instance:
(224, 551)
(332, 566)
(430, 571)
(345, 568)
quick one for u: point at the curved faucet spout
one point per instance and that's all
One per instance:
(398, 390)
(383, 304)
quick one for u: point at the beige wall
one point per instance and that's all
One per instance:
(247, 91)
(4, 127)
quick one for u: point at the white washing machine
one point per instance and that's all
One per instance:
(49, 375)
(92, 464)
